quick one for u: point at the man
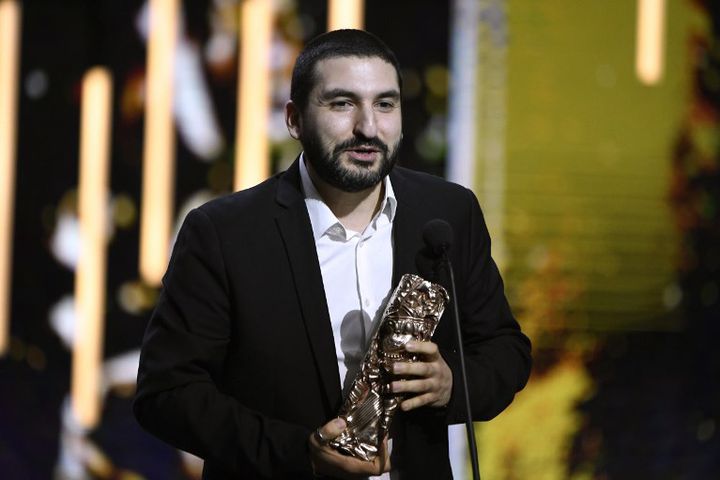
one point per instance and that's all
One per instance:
(271, 293)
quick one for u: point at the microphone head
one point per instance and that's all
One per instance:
(438, 235)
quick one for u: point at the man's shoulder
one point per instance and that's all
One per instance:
(426, 185)
(260, 196)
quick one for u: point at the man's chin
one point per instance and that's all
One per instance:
(358, 179)
(362, 168)
(352, 175)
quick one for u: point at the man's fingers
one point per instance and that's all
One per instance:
(343, 466)
(425, 348)
(326, 461)
(330, 430)
(418, 369)
(430, 379)
(419, 401)
(407, 386)
(385, 456)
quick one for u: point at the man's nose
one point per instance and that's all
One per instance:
(365, 122)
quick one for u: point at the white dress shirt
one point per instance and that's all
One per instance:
(356, 270)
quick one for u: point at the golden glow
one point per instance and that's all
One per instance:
(252, 162)
(159, 148)
(93, 215)
(650, 47)
(346, 14)
(532, 438)
(9, 53)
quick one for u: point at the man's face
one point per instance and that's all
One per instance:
(352, 126)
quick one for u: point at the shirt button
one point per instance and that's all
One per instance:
(367, 302)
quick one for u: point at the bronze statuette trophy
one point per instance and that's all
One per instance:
(412, 313)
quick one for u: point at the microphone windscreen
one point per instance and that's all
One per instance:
(438, 235)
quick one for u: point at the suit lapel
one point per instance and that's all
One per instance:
(407, 228)
(294, 225)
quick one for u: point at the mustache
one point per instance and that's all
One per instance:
(357, 142)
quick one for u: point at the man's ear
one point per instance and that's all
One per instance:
(292, 120)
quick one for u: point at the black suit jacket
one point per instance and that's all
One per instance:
(238, 363)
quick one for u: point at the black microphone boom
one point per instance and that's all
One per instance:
(438, 235)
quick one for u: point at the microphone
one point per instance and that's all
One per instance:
(438, 236)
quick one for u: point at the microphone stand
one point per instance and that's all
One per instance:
(468, 422)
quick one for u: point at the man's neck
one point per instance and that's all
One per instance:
(354, 210)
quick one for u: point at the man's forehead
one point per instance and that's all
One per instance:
(335, 72)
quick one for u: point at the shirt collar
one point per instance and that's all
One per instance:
(321, 217)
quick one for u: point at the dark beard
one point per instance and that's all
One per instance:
(328, 167)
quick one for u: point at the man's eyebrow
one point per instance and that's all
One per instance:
(391, 94)
(338, 92)
(341, 92)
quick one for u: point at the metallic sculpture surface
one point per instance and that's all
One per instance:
(412, 313)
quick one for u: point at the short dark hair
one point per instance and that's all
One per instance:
(337, 43)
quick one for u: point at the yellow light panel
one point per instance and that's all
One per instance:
(650, 47)
(159, 147)
(252, 162)
(346, 14)
(9, 54)
(91, 268)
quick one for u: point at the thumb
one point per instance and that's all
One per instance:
(333, 428)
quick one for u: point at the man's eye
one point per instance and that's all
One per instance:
(340, 104)
(385, 106)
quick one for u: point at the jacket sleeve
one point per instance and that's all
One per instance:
(497, 353)
(179, 396)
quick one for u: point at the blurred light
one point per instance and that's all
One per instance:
(36, 358)
(130, 297)
(252, 162)
(649, 53)
(706, 430)
(436, 78)
(65, 240)
(159, 147)
(412, 84)
(220, 48)
(672, 296)
(132, 98)
(194, 113)
(435, 105)
(124, 211)
(136, 297)
(431, 143)
(466, 86)
(9, 59)
(63, 320)
(346, 14)
(218, 178)
(90, 274)
(36, 84)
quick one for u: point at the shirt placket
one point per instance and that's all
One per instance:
(363, 274)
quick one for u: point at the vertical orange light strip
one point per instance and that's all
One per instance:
(650, 47)
(252, 162)
(346, 14)
(93, 216)
(9, 60)
(159, 147)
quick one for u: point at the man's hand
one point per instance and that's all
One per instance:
(327, 461)
(430, 379)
